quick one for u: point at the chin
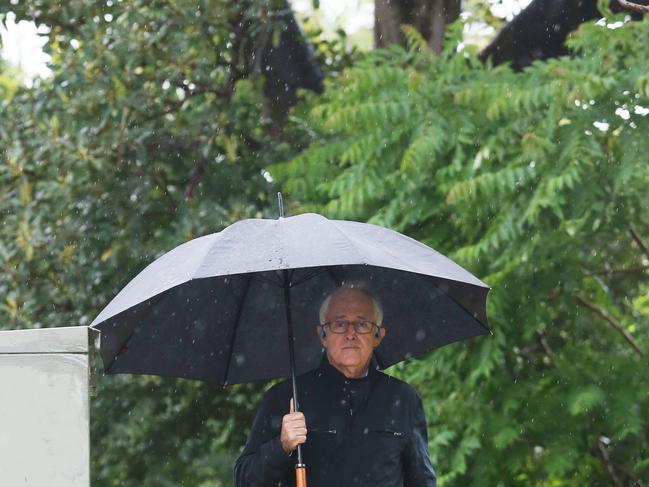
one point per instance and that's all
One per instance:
(351, 358)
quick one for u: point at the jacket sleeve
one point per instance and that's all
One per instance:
(418, 471)
(263, 462)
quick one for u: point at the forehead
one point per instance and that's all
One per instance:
(351, 301)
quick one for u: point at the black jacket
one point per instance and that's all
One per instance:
(360, 432)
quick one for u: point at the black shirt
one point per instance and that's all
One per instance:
(368, 432)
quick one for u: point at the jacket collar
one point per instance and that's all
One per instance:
(334, 374)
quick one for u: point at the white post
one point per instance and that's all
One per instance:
(44, 415)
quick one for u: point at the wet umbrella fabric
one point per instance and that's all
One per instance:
(214, 308)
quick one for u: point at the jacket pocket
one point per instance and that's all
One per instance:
(319, 449)
(384, 447)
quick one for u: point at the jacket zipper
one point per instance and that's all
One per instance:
(398, 434)
(331, 432)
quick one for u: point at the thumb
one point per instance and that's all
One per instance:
(292, 407)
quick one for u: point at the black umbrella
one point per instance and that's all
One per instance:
(221, 308)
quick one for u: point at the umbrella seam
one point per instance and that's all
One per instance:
(463, 308)
(124, 345)
(385, 249)
(235, 328)
(359, 256)
(408, 268)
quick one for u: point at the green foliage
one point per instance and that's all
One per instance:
(9, 81)
(148, 133)
(536, 182)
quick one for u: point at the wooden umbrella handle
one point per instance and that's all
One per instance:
(300, 475)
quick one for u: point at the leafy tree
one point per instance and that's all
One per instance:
(149, 132)
(537, 182)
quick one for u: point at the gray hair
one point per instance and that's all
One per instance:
(378, 309)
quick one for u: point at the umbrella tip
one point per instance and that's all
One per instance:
(280, 204)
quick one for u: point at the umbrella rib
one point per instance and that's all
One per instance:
(385, 250)
(107, 368)
(337, 280)
(461, 306)
(352, 243)
(435, 284)
(121, 349)
(235, 328)
(261, 277)
(307, 277)
(406, 266)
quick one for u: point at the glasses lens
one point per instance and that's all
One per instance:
(339, 326)
(363, 326)
(360, 326)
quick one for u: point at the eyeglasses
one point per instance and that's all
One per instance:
(361, 327)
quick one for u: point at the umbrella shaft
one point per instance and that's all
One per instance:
(291, 350)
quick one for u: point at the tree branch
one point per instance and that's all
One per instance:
(633, 6)
(546, 346)
(198, 172)
(617, 326)
(603, 455)
(172, 108)
(618, 473)
(638, 239)
(627, 270)
(177, 105)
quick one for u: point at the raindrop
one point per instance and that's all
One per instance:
(623, 113)
(639, 110)
(602, 126)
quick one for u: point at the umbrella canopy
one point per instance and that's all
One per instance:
(214, 308)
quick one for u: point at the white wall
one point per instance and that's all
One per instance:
(44, 418)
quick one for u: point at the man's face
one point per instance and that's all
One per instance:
(350, 352)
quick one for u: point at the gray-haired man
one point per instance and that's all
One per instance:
(364, 427)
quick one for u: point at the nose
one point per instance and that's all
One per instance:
(350, 333)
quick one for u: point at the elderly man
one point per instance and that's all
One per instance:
(364, 427)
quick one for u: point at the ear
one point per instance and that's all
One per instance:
(379, 337)
(322, 334)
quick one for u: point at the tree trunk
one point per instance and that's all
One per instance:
(429, 17)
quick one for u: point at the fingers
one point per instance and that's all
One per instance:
(294, 419)
(294, 437)
(294, 430)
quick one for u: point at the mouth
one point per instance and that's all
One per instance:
(351, 348)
